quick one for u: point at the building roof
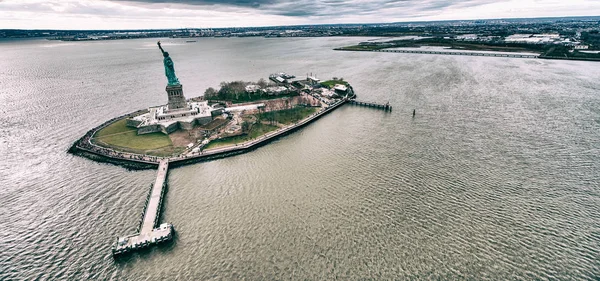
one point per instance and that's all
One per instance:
(340, 87)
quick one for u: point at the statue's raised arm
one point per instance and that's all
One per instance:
(160, 47)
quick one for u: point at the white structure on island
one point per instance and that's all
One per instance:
(177, 114)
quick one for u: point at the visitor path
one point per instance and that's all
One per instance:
(153, 205)
(384, 106)
(149, 235)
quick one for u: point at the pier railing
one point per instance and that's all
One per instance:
(458, 53)
(384, 106)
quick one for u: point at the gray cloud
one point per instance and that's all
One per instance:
(240, 3)
(325, 8)
(122, 14)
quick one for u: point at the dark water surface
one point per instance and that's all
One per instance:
(497, 177)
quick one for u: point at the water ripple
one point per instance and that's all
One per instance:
(496, 177)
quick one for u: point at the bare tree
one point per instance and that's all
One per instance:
(210, 93)
(245, 127)
(262, 83)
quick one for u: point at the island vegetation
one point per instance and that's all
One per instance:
(335, 81)
(287, 116)
(242, 91)
(119, 137)
(254, 131)
(256, 125)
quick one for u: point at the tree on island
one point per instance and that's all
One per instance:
(262, 83)
(236, 91)
(245, 127)
(210, 92)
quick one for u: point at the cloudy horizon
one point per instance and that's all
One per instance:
(166, 14)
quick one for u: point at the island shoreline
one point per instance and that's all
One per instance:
(79, 147)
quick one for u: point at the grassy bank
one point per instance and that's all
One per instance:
(288, 116)
(256, 131)
(114, 128)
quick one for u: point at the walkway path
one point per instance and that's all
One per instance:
(148, 234)
(152, 210)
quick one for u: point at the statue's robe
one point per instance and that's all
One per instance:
(170, 71)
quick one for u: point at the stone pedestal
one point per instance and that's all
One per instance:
(176, 98)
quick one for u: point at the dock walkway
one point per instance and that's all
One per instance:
(153, 207)
(148, 234)
(460, 53)
(384, 106)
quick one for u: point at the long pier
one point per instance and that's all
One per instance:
(148, 234)
(385, 106)
(532, 56)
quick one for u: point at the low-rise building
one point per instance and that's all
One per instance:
(276, 90)
(252, 88)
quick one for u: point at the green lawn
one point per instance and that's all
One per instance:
(288, 116)
(115, 128)
(256, 131)
(142, 142)
(122, 138)
(330, 83)
(260, 129)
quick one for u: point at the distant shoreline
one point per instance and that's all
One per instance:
(474, 53)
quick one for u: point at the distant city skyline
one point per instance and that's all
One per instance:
(165, 14)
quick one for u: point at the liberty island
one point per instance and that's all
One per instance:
(241, 116)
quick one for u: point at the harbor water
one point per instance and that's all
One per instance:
(496, 177)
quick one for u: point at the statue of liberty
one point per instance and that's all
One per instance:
(169, 67)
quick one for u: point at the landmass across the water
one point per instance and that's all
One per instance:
(545, 46)
(572, 38)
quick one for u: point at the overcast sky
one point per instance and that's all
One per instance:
(154, 14)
